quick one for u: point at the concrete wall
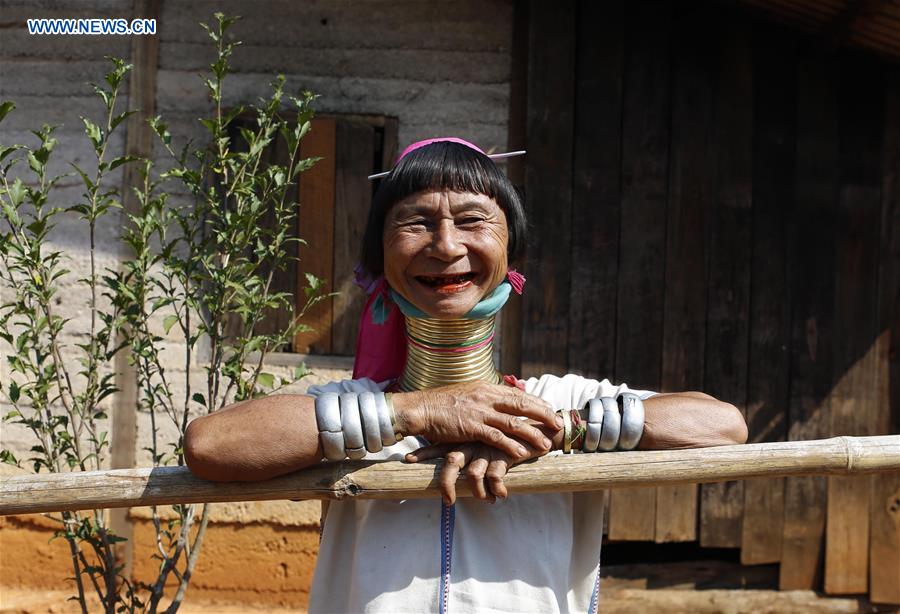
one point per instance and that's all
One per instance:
(441, 68)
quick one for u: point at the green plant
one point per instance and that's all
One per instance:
(199, 272)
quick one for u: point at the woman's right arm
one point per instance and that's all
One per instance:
(269, 436)
(254, 440)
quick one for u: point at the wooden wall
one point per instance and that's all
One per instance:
(715, 205)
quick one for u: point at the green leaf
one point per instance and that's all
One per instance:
(34, 163)
(117, 162)
(169, 322)
(8, 457)
(118, 119)
(5, 151)
(199, 398)
(161, 129)
(17, 192)
(93, 132)
(266, 380)
(5, 108)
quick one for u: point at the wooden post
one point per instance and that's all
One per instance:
(853, 409)
(884, 509)
(687, 212)
(511, 316)
(548, 182)
(398, 480)
(138, 142)
(633, 514)
(811, 264)
(316, 227)
(355, 152)
(729, 247)
(768, 389)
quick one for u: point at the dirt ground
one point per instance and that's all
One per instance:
(613, 601)
(256, 568)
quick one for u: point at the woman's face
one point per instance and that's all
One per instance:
(444, 251)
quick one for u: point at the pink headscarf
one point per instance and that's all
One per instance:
(381, 344)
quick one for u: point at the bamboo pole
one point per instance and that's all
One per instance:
(398, 480)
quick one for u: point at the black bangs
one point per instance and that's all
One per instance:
(439, 166)
(445, 166)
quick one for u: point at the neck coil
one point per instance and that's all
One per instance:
(443, 352)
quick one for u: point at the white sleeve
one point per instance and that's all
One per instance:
(363, 384)
(574, 391)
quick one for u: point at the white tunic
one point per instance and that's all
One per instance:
(528, 553)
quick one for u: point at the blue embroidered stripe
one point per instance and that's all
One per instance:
(448, 519)
(595, 595)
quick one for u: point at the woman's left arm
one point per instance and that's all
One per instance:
(671, 420)
(690, 420)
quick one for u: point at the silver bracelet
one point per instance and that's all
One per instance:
(328, 420)
(354, 442)
(594, 425)
(632, 420)
(385, 426)
(612, 423)
(368, 414)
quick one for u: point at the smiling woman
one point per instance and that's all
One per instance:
(444, 251)
(443, 227)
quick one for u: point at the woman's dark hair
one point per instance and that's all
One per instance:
(443, 165)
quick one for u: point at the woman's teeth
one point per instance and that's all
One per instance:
(445, 280)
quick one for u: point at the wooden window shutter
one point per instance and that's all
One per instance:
(334, 199)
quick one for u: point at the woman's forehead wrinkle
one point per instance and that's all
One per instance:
(430, 204)
(471, 204)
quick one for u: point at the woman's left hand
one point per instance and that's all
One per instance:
(485, 467)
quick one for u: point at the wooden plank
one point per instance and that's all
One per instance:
(595, 198)
(729, 249)
(316, 227)
(400, 480)
(390, 133)
(139, 139)
(642, 239)
(884, 540)
(690, 192)
(856, 287)
(811, 265)
(884, 508)
(595, 188)
(516, 139)
(548, 182)
(355, 154)
(768, 388)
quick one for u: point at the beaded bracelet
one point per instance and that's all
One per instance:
(567, 431)
(579, 429)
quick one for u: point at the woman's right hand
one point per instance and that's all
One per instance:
(477, 412)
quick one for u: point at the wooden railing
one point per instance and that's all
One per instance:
(397, 480)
